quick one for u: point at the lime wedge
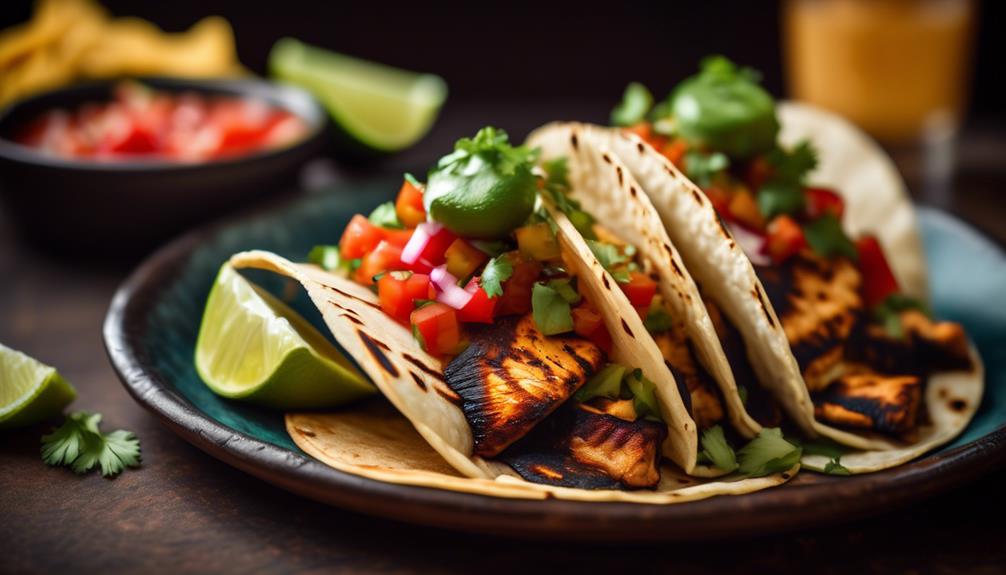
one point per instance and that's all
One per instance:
(385, 109)
(30, 391)
(253, 347)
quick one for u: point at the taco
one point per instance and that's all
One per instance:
(509, 329)
(835, 327)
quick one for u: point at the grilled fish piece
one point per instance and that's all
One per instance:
(625, 450)
(512, 376)
(582, 446)
(706, 406)
(869, 400)
(817, 300)
(926, 346)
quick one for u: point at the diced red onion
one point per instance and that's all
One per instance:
(417, 243)
(448, 290)
(751, 243)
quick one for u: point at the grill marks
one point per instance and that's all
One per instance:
(574, 141)
(761, 303)
(625, 327)
(885, 403)
(511, 377)
(351, 296)
(374, 347)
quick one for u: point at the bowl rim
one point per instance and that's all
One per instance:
(826, 500)
(291, 98)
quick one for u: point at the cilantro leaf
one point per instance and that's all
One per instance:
(605, 383)
(888, 313)
(780, 197)
(833, 467)
(494, 144)
(557, 187)
(498, 270)
(827, 238)
(658, 320)
(610, 259)
(636, 101)
(551, 311)
(385, 216)
(80, 445)
(717, 450)
(767, 454)
(702, 168)
(794, 165)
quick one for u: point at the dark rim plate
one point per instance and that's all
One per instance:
(809, 500)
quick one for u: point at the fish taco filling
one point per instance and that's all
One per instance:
(471, 262)
(865, 349)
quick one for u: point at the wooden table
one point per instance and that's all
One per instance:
(184, 511)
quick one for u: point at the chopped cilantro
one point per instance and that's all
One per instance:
(611, 259)
(657, 319)
(716, 449)
(833, 467)
(827, 238)
(551, 311)
(644, 395)
(888, 313)
(564, 287)
(327, 258)
(498, 270)
(780, 197)
(794, 165)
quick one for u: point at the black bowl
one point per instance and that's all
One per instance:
(108, 208)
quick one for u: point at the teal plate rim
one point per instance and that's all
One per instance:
(808, 500)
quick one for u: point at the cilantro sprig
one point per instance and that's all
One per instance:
(783, 192)
(888, 313)
(611, 259)
(498, 270)
(80, 445)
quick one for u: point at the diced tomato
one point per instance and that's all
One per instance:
(135, 138)
(602, 339)
(397, 296)
(385, 257)
(720, 200)
(640, 289)
(516, 297)
(744, 210)
(409, 205)
(878, 280)
(480, 308)
(674, 151)
(437, 325)
(586, 320)
(397, 237)
(463, 258)
(436, 248)
(758, 172)
(821, 201)
(785, 238)
(359, 238)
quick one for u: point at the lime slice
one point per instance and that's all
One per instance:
(30, 391)
(385, 109)
(253, 347)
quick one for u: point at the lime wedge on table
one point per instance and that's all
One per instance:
(252, 346)
(30, 391)
(385, 109)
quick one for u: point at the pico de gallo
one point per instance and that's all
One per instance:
(141, 123)
(720, 129)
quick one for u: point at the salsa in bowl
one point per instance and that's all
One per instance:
(96, 168)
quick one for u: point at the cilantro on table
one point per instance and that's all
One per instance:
(611, 259)
(767, 454)
(636, 102)
(385, 216)
(716, 449)
(888, 313)
(551, 311)
(80, 445)
(498, 270)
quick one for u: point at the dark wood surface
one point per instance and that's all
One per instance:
(184, 511)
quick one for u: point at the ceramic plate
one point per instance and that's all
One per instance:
(151, 329)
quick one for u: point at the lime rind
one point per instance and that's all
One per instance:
(253, 347)
(384, 108)
(30, 391)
